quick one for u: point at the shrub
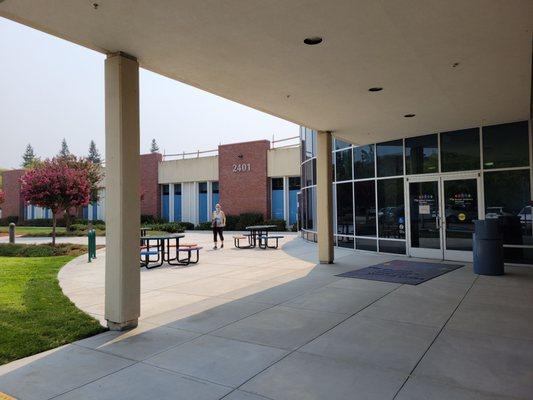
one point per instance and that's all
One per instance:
(170, 227)
(247, 219)
(231, 222)
(280, 224)
(204, 226)
(8, 220)
(150, 219)
(41, 250)
(187, 225)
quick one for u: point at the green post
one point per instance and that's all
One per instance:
(91, 236)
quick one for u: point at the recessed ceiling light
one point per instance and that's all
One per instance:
(409, 115)
(375, 89)
(313, 40)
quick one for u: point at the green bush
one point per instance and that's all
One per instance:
(40, 250)
(150, 220)
(8, 220)
(170, 227)
(247, 219)
(231, 222)
(204, 226)
(187, 225)
(280, 224)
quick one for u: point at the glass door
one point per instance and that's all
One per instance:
(442, 211)
(425, 238)
(461, 205)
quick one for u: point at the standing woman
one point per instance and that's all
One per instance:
(218, 222)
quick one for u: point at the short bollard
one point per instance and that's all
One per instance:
(12, 233)
(91, 236)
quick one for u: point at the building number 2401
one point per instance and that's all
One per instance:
(241, 168)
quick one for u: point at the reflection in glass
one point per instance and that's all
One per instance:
(363, 159)
(345, 241)
(392, 246)
(422, 154)
(506, 145)
(277, 198)
(365, 208)
(460, 150)
(507, 197)
(424, 206)
(391, 210)
(366, 244)
(390, 158)
(339, 144)
(311, 208)
(343, 165)
(294, 187)
(345, 209)
(461, 209)
(310, 138)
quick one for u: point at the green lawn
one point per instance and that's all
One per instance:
(32, 230)
(34, 314)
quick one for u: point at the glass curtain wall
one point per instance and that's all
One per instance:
(277, 198)
(164, 201)
(294, 188)
(308, 183)
(216, 195)
(202, 202)
(177, 202)
(369, 184)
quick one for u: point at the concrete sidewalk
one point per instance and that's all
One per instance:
(255, 324)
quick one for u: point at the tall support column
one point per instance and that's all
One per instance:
(122, 273)
(324, 198)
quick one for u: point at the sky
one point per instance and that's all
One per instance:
(52, 89)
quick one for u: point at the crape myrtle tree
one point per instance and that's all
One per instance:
(95, 174)
(56, 185)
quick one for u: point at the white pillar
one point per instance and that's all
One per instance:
(324, 199)
(171, 217)
(122, 274)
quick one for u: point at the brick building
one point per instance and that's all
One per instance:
(247, 177)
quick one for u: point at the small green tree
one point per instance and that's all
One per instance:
(64, 152)
(154, 148)
(28, 158)
(94, 154)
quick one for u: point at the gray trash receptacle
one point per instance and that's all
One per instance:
(488, 248)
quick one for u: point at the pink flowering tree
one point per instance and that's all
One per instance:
(2, 196)
(56, 185)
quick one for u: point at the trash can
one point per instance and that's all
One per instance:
(488, 247)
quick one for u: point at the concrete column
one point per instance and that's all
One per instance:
(324, 199)
(171, 216)
(122, 274)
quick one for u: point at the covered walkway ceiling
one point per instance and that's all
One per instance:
(252, 52)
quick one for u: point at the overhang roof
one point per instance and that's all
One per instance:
(252, 52)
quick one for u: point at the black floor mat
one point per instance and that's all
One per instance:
(402, 271)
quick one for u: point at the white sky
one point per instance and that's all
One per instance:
(51, 88)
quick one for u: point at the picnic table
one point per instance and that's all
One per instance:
(161, 248)
(259, 235)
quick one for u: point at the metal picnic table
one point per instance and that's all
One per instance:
(162, 246)
(257, 232)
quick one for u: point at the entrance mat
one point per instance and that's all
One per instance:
(402, 271)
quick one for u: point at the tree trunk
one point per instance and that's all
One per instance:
(54, 218)
(66, 216)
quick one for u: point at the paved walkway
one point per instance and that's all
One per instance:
(254, 324)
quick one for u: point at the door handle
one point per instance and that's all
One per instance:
(437, 222)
